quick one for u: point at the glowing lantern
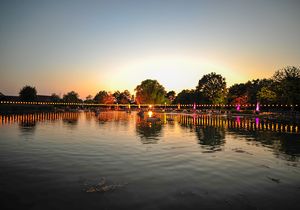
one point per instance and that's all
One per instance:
(150, 113)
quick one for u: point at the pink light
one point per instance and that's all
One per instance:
(257, 121)
(257, 107)
(194, 106)
(238, 120)
(238, 107)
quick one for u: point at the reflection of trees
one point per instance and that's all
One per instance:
(114, 117)
(27, 126)
(210, 137)
(148, 132)
(287, 148)
(71, 119)
(285, 145)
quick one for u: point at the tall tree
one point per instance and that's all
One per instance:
(287, 82)
(213, 86)
(71, 97)
(185, 97)
(104, 97)
(150, 92)
(171, 95)
(122, 97)
(265, 95)
(237, 93)
(99, 97)
(28, 93)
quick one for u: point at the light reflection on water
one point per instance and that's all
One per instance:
(180, 162)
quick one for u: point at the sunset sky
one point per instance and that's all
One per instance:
(86, 46)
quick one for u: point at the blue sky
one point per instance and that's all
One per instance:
(87, 46)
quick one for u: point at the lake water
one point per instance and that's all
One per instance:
(117, 160)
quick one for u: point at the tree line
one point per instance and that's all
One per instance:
(282, 88)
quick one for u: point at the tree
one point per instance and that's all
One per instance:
(28, 93)
(237, 94)
(287, 82)
(99, 97)
(265, 95)
(213, 86)
(254, 86)
(55, 97)
(89, 99)
(185, 97)
(171, 95)
(71, 97)
(150, 92)
(247, 92)
(123, 97)
(104, 97)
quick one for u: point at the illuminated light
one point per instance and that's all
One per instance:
(194, 107)
(257, 107)
(150, 113)
(238, 107)
(129, 106)
(150, 106)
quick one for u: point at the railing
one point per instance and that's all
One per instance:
(251, 124)
(153, 105)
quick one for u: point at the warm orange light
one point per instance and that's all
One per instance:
(150, 113)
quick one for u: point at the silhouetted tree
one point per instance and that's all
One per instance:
(287, 82)
(104, 97)
(213, 86)
(71, 97)
(171, 95)
(28, 93)
(123, 97)
(238, 93)
(89, 99)
(185, 97)
(248, 92)
(99, 97)
(150, 92)
(55, 97)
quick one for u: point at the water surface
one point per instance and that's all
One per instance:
(50, 160)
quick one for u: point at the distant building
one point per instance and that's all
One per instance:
(40, 98)
(10, 98)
